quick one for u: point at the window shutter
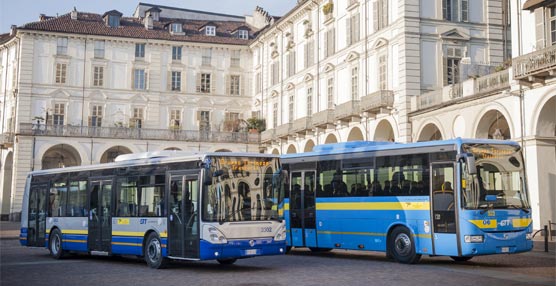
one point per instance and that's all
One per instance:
(384, 9)
(182, 81)
(375, 15)
(212, 84)
(169, 81)
(355, 28)
(198, 82)
(539, 28)
(228, 85)
(445, 9)
(198, 115)
(90, 121)
(326, 43)
(465, 10)
(132, 78)
(146, 80)
(333, 41)
(348, 31)
(445, 70)
(306, 54)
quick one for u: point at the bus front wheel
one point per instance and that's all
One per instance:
(55, 244)
(402, 246)
(153, 252)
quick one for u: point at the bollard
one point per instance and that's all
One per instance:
(545, 238)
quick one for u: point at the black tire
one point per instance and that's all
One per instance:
(288, 249)
(461, 258)
(153, 252)
(319, 250)
(226, 261)
(402, 246)
(55, 244)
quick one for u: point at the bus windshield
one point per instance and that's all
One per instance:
(499, 181)
(241, 189)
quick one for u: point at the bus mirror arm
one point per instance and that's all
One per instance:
(469, 160)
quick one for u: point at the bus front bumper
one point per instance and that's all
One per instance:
(241, 248)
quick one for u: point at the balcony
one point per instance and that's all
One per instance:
(323, 119)
(347, 111)
(493, 82)
(268, 135)
(6, 140)
(282, 131)
(535, 67)
(376, 102)
(138, 133)
(302, 124)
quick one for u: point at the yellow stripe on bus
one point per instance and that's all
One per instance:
(367, 233)
(521, 222)
(406, 206)
(75, 240)
(127, 244)
(75, 231)
(135, 233)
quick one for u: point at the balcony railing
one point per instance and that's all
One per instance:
(302, 124)
(138, 133)
(538, 64)
(377, 100)
(6, 139)
(429, 99)
(323, 118)
(283, 130)
(347, 110)
(268, 135)
(495, 81)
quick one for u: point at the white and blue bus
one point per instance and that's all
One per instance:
(459, 198)
(160, 206)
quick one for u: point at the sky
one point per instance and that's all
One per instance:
(19, 12)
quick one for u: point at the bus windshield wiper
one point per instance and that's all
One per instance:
(233, 213)
(518, 207)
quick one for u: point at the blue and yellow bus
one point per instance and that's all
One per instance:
(160, 206)
(459, 198)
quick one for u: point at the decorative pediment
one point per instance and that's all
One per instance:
(380, 42)
(329, 67)
(205, 102)
(98, 96)
(290, 86)
(308, 77)
(455, 34)
(173, 99)
(274, 93)
(352, 56)
(138, 98)
(59, 94)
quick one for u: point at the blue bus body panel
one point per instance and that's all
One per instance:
(445, 244)
(297, 237)
(240, 249)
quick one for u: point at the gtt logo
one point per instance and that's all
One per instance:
(505, 222)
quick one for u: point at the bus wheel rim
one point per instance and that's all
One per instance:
(153, 250)
(55, 244)
(402, 244)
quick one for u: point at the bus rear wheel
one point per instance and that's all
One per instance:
(55, 244)
(402, 246)
(153, 252)
(226, 261)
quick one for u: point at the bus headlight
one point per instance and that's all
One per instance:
(214, 235)
(281, 233)
(528, 236)
(474, 238)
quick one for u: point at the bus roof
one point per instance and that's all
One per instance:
(369, 146)
(149, 158)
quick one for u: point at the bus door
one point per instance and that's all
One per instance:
(36, 227)
(100, 215)
(444, 204)
(183, 218)
(302, 209)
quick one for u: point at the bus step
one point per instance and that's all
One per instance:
(99, 253)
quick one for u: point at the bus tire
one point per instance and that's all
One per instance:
(55, 244)
(402, 246)
(153, 252)
(461, 258)
(226, 261)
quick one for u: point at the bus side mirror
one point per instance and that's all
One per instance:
(470, 163)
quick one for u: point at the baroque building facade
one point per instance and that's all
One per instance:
(327, 71)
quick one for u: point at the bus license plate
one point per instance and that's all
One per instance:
(251, 252)
(505, 249)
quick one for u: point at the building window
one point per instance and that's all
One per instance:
(243, 34)
(136, 121)
(382, 72)
(330, 92)
(355, 83)
(274, 115)
(95, 120)
(352, 29)
(176, 28)
(59, 114)
(140, 79)
(62, 46)
(210, 30)
(455, 10)
(175, 118)
(61, 70)
(274, 72)
(204, 83)
(113, 21)
(99, 49)
(330, 45)
(207, 57)
(380, 14)
(176, 53)
(309, 53)
(98, 76)
(258, 84)
(291, 106)
(176, 80)
(139, 51)
(309, 101)
(290, 63)
(203, 117)
(234, 85)
(451, 65)
(235, 58)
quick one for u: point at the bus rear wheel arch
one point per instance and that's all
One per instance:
(401, 246)
(55, 244)
(152, 252)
